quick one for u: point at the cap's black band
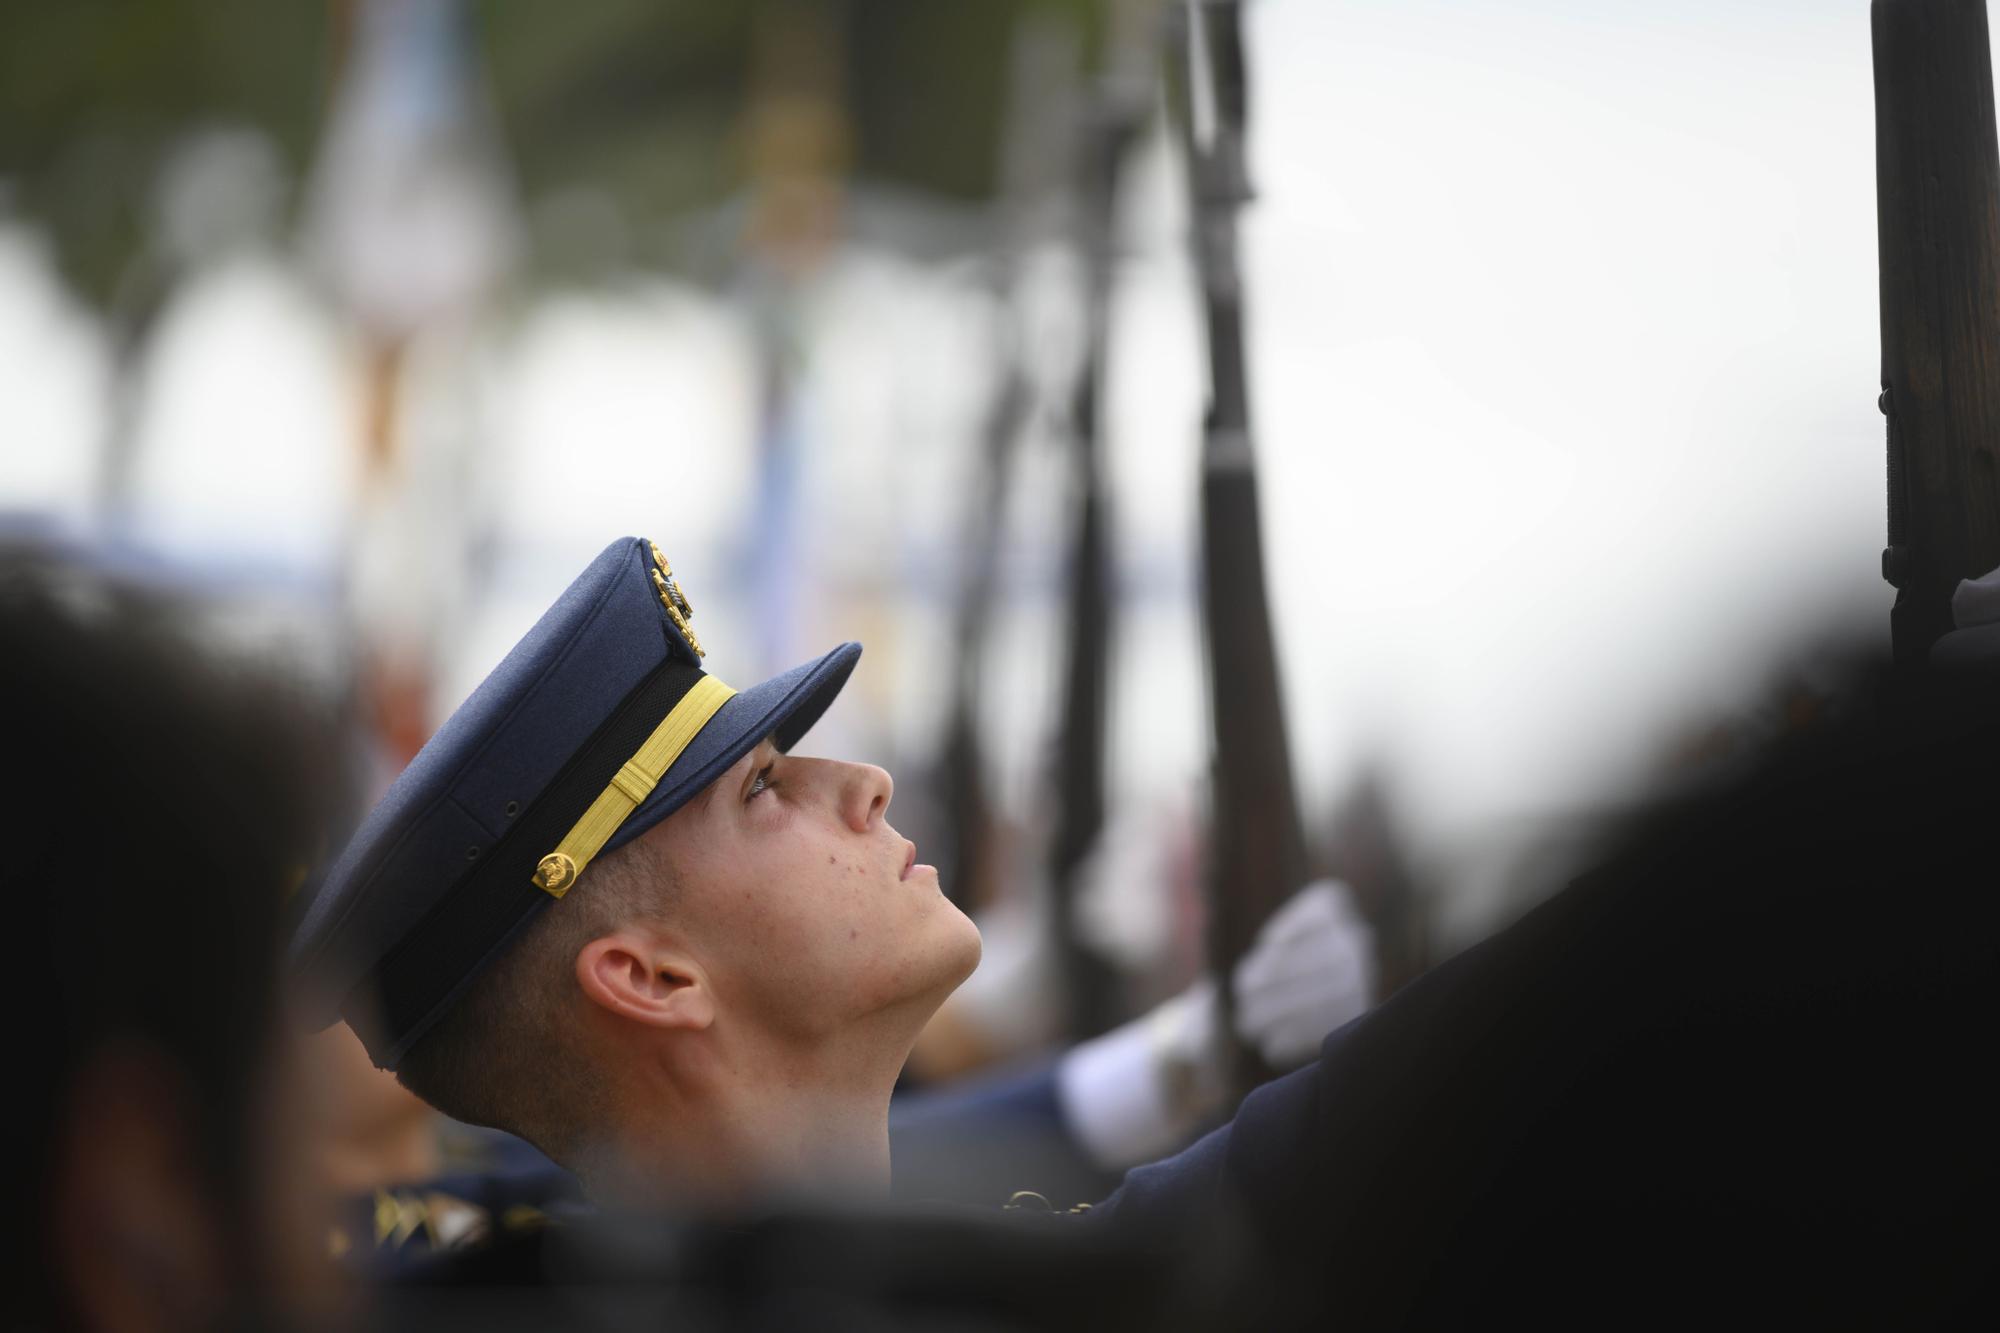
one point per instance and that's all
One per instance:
(445, 950)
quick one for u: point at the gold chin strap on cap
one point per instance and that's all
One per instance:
(633, 783)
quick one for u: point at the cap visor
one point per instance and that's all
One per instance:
(783, 708)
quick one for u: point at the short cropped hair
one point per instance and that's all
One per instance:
(504, 1055)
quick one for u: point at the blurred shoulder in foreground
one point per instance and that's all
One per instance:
(160, 807)
(1737, 1068)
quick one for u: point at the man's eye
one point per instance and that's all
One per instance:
(761, 783)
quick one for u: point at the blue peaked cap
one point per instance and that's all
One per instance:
(545, 765)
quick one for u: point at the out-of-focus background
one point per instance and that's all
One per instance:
(378, 318)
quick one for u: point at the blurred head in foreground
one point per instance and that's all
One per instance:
(158, 812)
(607, 909)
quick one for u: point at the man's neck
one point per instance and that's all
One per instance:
(725, 1133)
(400, 1150)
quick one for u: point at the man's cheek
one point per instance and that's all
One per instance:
(872, 948)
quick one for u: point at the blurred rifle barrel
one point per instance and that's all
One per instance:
(1034, 144)
(967, 804)
(1257, 845)
(1111, 125)
(1937, 196)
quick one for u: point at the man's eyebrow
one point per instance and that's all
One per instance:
(700, 802)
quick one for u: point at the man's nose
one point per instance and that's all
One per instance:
(864, 795)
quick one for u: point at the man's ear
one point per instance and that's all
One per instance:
(639, 978)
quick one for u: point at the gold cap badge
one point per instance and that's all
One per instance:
(679, 609)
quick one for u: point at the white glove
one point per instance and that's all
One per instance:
(1142, 1089)
(1311, 970)
(1139, 1091)
(1124, 904)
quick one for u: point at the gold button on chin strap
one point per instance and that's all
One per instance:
(632, 784)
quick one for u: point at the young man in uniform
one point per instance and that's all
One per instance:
(607, 909)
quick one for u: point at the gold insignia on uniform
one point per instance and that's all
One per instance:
(523, 1217)
(679, 609)
(555, 874)
(1027, 1201)
(397, 1217)
(451, 1221)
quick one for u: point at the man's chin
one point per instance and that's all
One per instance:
(969, 949)
(952, 959)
